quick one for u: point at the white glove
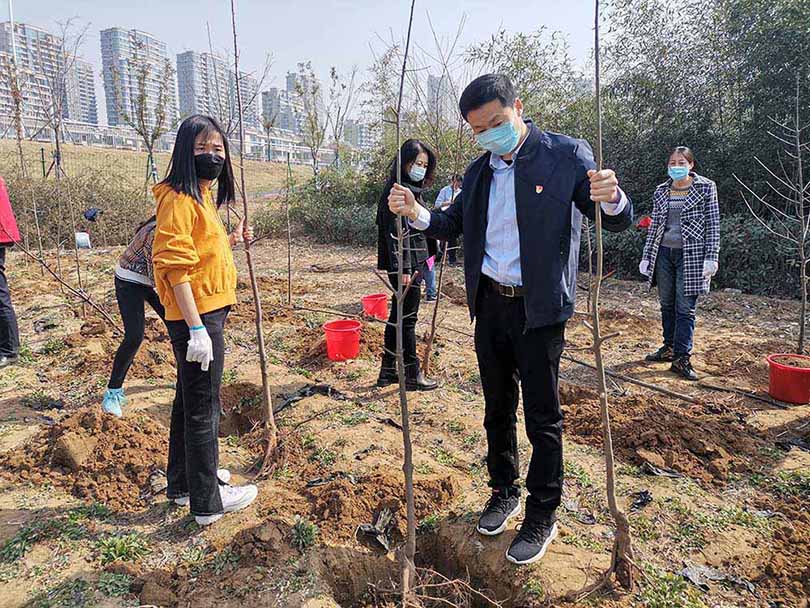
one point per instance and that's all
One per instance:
(644, 267)
(200, 349)
(709, 269)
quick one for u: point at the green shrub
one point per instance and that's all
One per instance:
(125, 548)
(304, 533)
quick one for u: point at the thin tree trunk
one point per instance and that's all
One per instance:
(622, 565)
(289, 230)
(272, 431)
(409, 554)
(801, 188)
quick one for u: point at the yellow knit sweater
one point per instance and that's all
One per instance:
(191, 246)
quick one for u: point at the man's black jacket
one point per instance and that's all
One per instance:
(550, 173)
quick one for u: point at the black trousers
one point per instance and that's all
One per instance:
(193, 443)
(410, 309)
(508, 355)
(132, 299)
(451, 249)
(9, 331)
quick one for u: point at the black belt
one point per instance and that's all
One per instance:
(508, 291)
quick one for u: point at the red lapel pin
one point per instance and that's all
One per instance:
(538, 189)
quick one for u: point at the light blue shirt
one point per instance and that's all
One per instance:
(446, 197)
(502, 243)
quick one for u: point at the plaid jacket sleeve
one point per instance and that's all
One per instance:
(712, 224)
(651, 232)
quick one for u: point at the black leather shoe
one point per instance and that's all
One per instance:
(387, 377)
(5, 360)
(683, 367)
(663, 354)
(420, 383)
(532, 541)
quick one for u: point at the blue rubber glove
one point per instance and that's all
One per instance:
(113, 400)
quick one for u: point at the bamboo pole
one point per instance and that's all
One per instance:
(270, 422)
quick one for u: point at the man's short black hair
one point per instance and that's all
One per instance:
(484, 89)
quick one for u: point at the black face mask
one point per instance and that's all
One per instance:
(208, 166)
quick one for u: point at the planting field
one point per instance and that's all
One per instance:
(84, 520)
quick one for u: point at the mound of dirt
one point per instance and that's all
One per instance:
(95, 456)
(457, 293)
(703, 447)
(346, 505)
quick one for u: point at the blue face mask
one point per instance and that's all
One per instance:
(417, 173)
(677, 173)
(499, 140)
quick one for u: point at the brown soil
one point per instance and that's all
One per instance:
(95, 456)
(705, 447)
(793, 361)
(342, 505)
(242, 404)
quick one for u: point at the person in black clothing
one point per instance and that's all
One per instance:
(418, 169)
(520, 214)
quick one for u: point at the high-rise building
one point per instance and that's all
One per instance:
(358, 134)
(45, 73)
(249, 88)
(80, 93)
(439, 100)
(136, 64)
(203, 84)
(285, 111)
(206, 85)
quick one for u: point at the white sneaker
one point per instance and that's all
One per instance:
(234, 498)
(224, 475)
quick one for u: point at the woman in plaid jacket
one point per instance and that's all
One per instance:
(680, 254)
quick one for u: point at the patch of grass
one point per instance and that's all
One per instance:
(194, 558)
(471, 441)
(26, 354)
(76, 593)
(229, 376)
(665, 590)
(308, 441)
(19, 544)
(423, 468)
(323, 456)
(575, 471)
(455, 427)
(353, 419)
(644, 528)
(9, 572)
(794, 484)
(122, 548)
(225, 560)
(53, 346)
(629, 470)
(283, 472)
(443, 456)
(583, 542)
(304, 534)
(429, 524)
(534, 589)
(113, 585)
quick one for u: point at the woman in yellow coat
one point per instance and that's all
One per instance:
(195, 278)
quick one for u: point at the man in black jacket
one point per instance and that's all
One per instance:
(521, 243)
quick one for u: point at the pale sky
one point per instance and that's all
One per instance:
(325, 32)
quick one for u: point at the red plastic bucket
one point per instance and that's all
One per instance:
(376, 305)
(787, 383)
(342, 339)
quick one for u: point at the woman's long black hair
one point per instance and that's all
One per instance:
(182, 176)
(409, 151)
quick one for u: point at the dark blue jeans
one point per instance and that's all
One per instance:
(677, 309)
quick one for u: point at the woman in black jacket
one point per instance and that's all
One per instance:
(418, 169)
